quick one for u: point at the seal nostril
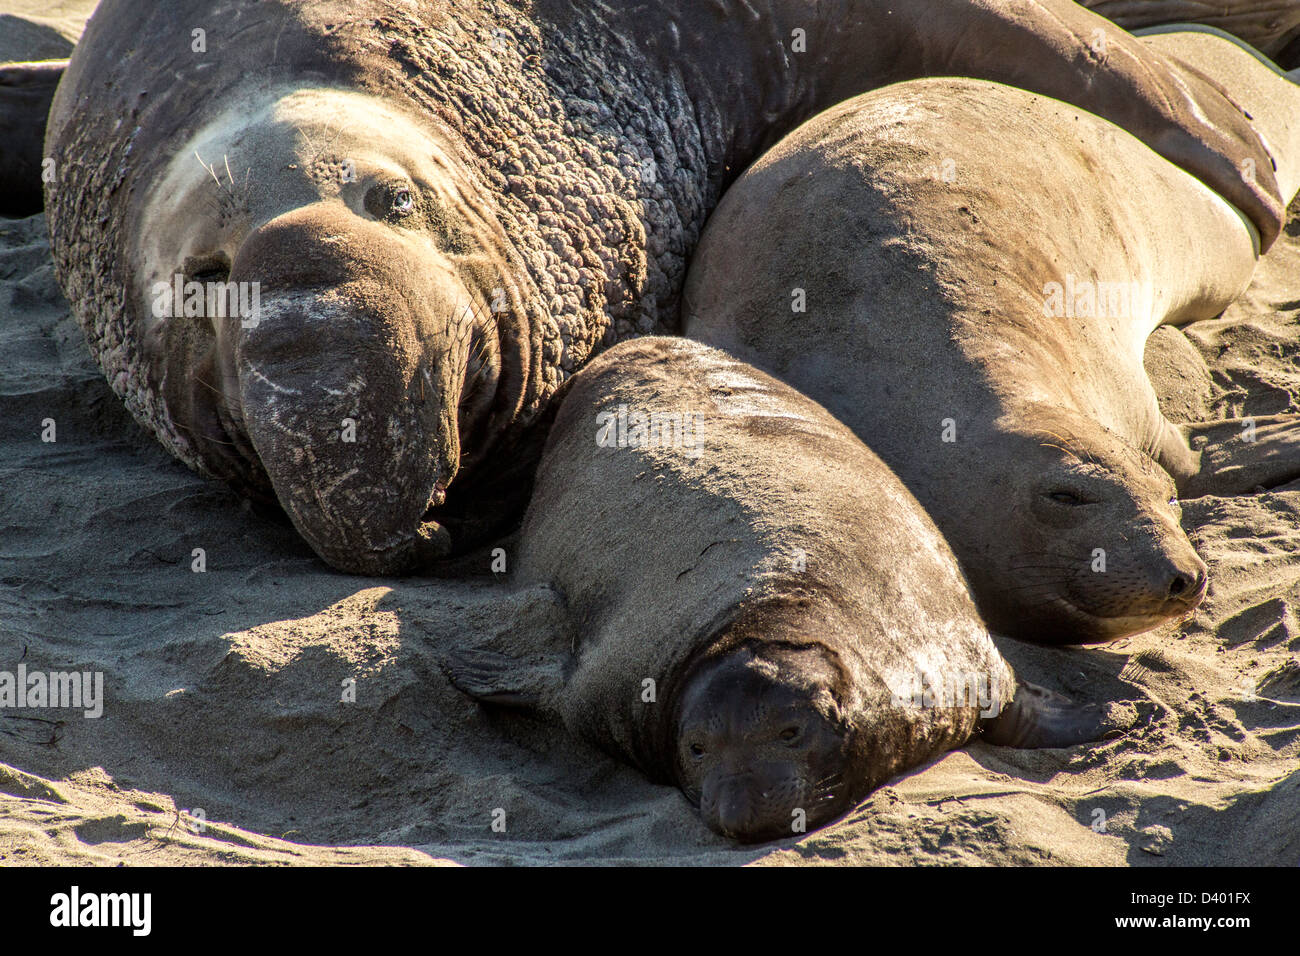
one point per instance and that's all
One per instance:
(1181, 584)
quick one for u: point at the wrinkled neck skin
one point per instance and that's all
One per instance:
(616, 127)
(754, 69)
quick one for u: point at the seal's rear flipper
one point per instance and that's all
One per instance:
(1037, 717)
(26, 90)
(494, 678)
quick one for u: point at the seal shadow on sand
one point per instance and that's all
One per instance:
(25, 39)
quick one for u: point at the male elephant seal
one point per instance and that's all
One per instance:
(759, 605)
(981, 268)
(428, 213)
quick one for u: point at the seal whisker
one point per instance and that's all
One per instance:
(204, 435)
(1048, 444)
(827, 783)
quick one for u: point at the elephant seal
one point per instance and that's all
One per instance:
(981, 268)
(342, 253)
(762, 614)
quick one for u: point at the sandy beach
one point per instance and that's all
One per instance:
(268, 710)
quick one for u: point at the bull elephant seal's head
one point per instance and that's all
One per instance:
(371, 343)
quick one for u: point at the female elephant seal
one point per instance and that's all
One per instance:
(982, 267)
(425, 214)
(762, 614)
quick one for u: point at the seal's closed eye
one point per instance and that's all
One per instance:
(1062, 497)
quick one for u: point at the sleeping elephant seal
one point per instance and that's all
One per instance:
(342, 253)
(981, 268)
(762, 614)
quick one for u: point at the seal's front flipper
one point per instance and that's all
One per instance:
(1238, 456)
(1037, 717)
(494, 678)
(26, 91)
(1178, 112)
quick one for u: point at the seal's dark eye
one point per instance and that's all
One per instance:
(697, 750)
(1065, 498)
(790, 733)
(390, 200)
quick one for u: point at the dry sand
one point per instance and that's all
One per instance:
(223, 688)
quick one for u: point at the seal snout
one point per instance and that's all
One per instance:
(727, 804)
(1184, 583)
(1187, 587)
(350, 385)
(1140, 587)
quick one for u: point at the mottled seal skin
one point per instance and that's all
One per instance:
(937, 230)
(753, 595)
(448, 206)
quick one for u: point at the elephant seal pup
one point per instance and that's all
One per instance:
(981, 268)
(341, 253)
(759, 605)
